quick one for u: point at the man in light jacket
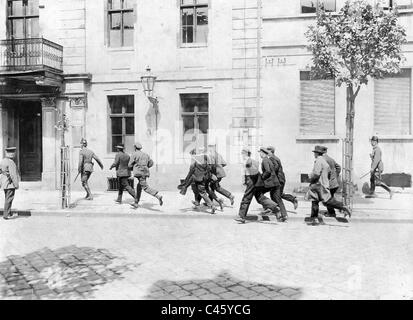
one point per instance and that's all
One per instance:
(141, 162)
(335, 170)
(377, 169)
(319, 187)
(9, 180)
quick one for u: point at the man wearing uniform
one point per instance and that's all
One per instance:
(319, 187)
(271, 183)
(141, 162)
(335, 170)
(281, 177)
(85, 167)
(123, 173)
(218, 164)
(9, 180)
(377, 169)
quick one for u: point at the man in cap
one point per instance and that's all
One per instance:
(281, 177)
(335, 170)
(270, 183)
(319, 187)
(377, 169)
(123, 173)
(9, 180)
(251, 179)
(218, 164)
(85, 166)
(141, 162)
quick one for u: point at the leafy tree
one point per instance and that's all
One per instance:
(352, 46)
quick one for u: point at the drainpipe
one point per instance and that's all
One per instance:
(259, 30)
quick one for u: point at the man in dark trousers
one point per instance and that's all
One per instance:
(218, 164)
(281, 177)
(141, 162)
(377, 168)
(319, 187)
(252, 178)
(271, 183)
(335, 170)
(85, 167)
(9, 180)
(123, 173)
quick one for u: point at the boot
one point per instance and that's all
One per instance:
(232, 200)
(160, 200)
(119, 199)
(89, 193)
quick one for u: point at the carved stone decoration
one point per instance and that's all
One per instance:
(77, 102)
(49, 102)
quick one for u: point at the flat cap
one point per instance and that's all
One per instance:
(138, 145)
(11, 149)
(265, 150)
(271, 148)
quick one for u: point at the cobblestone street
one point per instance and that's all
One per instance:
(202, 258)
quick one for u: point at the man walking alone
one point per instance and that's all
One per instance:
(377, 169)
(85, 167)
(9, 180)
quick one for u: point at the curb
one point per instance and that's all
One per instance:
(201, 215)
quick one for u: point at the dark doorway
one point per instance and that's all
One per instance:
(30, 140)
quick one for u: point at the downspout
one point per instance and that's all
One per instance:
(259, 29)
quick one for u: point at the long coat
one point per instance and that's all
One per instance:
(140, 162)
(376, 162)
(121, 164)
(269, 175)
(280, 172)
(335, 170)
(320, 182)
(9, 179)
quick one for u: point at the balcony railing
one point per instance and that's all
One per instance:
(30, 54)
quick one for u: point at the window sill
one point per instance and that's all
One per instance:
(193, 45)
(318, 137)
(120, 49)
(395, 137)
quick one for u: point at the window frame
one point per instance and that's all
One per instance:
(194, 6)
(308, 77)
(122, 10)
(24, 17)
(316, 8)
(123, 115)
(195, 114)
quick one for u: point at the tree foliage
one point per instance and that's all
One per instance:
(359, 42)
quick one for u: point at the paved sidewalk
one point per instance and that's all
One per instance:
(43, 202)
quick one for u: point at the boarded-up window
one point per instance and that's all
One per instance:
(392, 108)
(317, 110)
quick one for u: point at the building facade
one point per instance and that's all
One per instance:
(309, 112)
(230, 73)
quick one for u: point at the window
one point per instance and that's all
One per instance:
(399, 4)
(194, 111)
(122, 121)
(194, 21)
(23, 19)
(121, 21)
(317, 100)
(310, 6)
(392, 108)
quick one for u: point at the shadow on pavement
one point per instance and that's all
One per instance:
(65, 273)
(223, 286)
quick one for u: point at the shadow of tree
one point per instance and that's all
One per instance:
(66, 273)
(223, 286)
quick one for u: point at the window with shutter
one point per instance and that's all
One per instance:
(392, 107)
(317, 109)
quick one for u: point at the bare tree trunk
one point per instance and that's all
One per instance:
(348, 150)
